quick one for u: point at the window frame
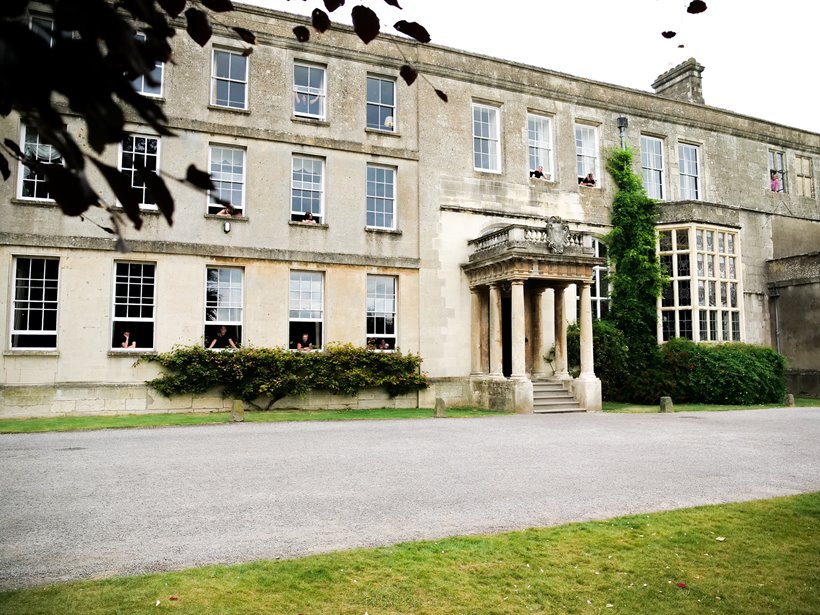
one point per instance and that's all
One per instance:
(493, 142)
(298, 215)
(24, 170)
(379, 105)
(45, 305)
(373, 198)
(142, 81)
(134, 173)
(374, 339)
(306, 90)
(214, 207)
(804, 179)
(652, 175)
(537, 148)
(216, 79)
(583, 155)
(687, 178)
(777, 164)
(211, 325)
(300, 277)
(119, 324)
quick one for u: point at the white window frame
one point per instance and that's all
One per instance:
(46, 33)
(652, 166)
(44, 153)
(141, 85)
(137, 184)
(297, 183)
(227, 183)
(777, 163)
(386, 111)
(137, 302)
(305, 92)
(224, 302)
(30, 295)
(387, 198)
(539, 143)
(486, 122)
(586, 153)
(230, 79)
(306, 298)
(382, 304)
(689, 167)
(804, 177)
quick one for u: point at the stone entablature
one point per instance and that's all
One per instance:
(802, 269)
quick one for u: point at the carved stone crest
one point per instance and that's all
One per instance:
(557, 234)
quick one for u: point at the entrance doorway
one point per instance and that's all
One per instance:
(506, 336)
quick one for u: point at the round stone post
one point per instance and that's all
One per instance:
(496, 359)
(518, 342)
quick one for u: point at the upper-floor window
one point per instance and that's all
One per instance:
(140, 153)
(381, 197)
(150, 85)
(44, 27)
(486, 138)
(223, 307)
(32, 183)
(309, 91)
(381, 312)
(228, 176)
(804, 177)
(132, 326)
(34, 302)
(539, 130)
(229, 84)
(652, 166)
(307, 189)
(381, 104)
(586, 154)
(777, 171)
(689, 163)
(306, 315)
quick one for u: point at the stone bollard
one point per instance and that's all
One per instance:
(237, 411)
(666, 404)
(789, 400)
(441, 409)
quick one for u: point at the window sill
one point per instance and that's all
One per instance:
(31, 353)
(386, 133)
(133, 352)
(542, 180)
(227, 218)
(486, 172)
(35, 202)
(214, 107)
(386, 231)
(307, 224)
(312, 121)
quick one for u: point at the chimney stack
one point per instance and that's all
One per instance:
(682, 82)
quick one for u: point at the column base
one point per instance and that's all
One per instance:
(503, 394)
(587, 390)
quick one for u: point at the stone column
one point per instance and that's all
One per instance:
(587, 362)
(539, 368)
(561, 371)
(496, 358)
(475, 332)
(518, 335)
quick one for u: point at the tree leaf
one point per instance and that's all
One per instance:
(332, 5)
(393, 3)
(245, 34)
(247, 51)
(156, 186)
(696, 6)
(69, 187)
(218, 6)
(126, 195)
(408, 73)
(668, 34)
(13, 147)
(198, 178)
(413, 30)
(302, 34)
(365, 23)
(198, 26)
(4, 167)
(172, 7)
(320, 20)
(441, 95)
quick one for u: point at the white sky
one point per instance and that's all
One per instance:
(762, 57)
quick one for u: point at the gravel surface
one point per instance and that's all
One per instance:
(102, 503)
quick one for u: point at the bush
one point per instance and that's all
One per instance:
(252, 373)
(609, 359)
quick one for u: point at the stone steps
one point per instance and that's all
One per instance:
(550, 396)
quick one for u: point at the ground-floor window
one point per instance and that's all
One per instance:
(223, 307)
(34, 306)
(133, 321)
(381, 312)
(306, 315)
(702, 300)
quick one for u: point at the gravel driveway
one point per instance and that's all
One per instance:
(101, 503)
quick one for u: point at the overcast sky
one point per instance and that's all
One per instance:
(761, 56)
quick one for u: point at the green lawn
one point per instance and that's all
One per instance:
(617, 406)
(753, 558)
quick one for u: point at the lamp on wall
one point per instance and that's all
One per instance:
(622, 124)
(226, 227)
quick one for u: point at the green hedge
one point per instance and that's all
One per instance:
(253, 373)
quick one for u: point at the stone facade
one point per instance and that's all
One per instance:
(448, 201)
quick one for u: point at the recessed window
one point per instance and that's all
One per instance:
(32, 183)
(381, 104)
(381, 312)
(230, 80)
(43, 27)
(306, 315)
(777, 171)
(689, 164)
(151, 84)
(307, 189)
(539, 129)
(804, 176)
(133, 322)
(34, 303)
(223, 307)
(486, 138)
(652, 166)
(381, 197)
(586, 154)
(140, 154)
(228, 175)
(309, 91)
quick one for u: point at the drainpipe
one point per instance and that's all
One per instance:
(774, 296)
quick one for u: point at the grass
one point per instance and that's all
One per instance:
(82, 423)
(752, 558)
(625, 407)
